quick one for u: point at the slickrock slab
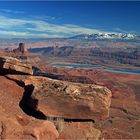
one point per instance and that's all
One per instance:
(13, 65)
(68, 100)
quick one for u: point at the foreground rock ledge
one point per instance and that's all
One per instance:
(68, 100)
(13, 65)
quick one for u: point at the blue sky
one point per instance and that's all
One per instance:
(43, 19)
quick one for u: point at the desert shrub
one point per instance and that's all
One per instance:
(59, 124)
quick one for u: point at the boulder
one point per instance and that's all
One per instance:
(67, 100)
(13, 65)
(46, 131)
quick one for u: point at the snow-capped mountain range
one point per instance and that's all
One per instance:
(106, 36)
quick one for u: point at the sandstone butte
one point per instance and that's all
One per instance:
(35, 107)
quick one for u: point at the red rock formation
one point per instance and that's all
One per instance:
(68, 100)
(13, 65)
(20, 125)
(46, 131)
(27, 100)
(30, 99)
(14, 123)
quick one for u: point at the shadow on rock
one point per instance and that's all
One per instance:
(28, 104)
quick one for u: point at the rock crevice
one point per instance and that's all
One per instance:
(29, 105)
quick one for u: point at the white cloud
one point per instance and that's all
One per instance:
(6, 22)
(17, 27)
(15, 34)
(11, 11)
(43, 17)
(120, 30)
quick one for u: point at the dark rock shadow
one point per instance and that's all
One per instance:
(27, 103)
(11, 71)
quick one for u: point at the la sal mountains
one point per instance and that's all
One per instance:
(100, 35)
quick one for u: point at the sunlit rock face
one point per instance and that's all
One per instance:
(13, 65)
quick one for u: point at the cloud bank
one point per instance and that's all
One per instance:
(37, 28)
